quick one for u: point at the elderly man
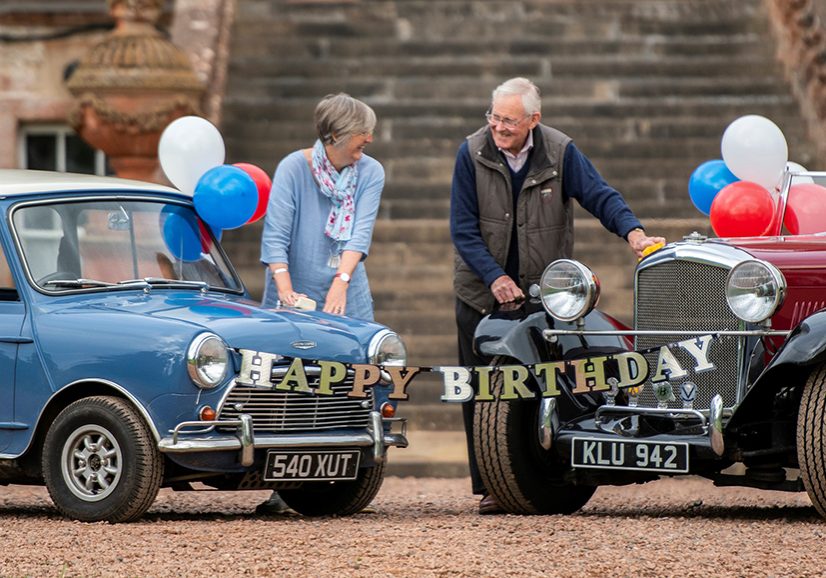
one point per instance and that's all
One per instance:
(511, 215)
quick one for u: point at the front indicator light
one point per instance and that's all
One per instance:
(207, 414)
(387, 410)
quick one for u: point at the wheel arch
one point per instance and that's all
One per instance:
(804, 349)
(69, 394)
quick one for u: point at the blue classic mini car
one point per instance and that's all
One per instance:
(124, 336)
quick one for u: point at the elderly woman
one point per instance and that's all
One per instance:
(321, 213)
(320, 218)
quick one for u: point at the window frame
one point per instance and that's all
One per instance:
(59, 132)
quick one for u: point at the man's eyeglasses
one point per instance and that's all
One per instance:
(494, 119)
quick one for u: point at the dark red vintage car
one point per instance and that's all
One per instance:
(723, 374)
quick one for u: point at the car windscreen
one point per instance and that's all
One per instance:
(72, 245)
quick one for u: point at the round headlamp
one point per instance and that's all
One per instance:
(207, 360)
(568, 289)
(387, 348)
(755, 290)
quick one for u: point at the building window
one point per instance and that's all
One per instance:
(59, 148)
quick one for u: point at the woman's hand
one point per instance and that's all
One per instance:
(289, 297)
(284, 285)
(336, 302)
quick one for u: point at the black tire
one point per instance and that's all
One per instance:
(336, 498)
(522, 476)
(121, 466)
(811, 438)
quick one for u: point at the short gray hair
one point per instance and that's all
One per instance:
(340, 116)
(523, 87)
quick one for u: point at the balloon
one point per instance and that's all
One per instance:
(263, 183)
(742, 209)
(225, 197)
(181, 233)
(188, 148)
(806, 209)
(706, 181)
(755, 149)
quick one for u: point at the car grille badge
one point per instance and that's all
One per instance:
(611, 394)
(664, 393)
(633, 394)
(688, 392)
(303, 344)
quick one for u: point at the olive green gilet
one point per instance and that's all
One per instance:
(544, 219)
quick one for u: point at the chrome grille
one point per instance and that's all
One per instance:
(274, 411)
(688, 295)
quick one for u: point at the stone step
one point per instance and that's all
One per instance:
(434, 19)
(440, 453)
(720, 110)
(433, 416)
(596, 88)
(543, 68)
(247, 45)
(408, 321)
(265, 143)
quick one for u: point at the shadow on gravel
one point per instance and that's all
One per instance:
(746, 513)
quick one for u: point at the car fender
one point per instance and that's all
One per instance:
(518, 334)
(804, 348)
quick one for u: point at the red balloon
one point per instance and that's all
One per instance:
(742, 209)
(806, 209)
(263, 183)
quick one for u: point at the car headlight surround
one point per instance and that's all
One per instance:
(755, 290)
(568, 289)
(387, 348)
(207, 360)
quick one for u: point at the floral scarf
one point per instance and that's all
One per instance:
(340, 188)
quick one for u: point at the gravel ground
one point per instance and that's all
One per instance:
(427, 527)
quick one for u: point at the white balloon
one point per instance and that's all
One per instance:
(188, 148)
(754, 149)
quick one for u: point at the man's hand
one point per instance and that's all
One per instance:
(505, 290)
(638, 241)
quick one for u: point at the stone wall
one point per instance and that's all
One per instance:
(31, 83)
(201, 28)
(799, 27)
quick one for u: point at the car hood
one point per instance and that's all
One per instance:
(239, 321)
(791, 252)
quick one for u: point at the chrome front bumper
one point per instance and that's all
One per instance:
(188, 437)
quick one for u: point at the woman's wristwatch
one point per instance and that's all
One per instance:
(343, 276)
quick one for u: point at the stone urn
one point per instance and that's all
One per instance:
(129, 87)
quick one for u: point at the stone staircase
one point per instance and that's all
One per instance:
(645, 87)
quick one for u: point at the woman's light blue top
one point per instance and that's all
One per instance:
(294, 233)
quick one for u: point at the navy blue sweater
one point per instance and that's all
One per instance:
(580, 181)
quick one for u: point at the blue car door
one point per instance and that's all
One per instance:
(12, 314)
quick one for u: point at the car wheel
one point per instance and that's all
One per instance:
(522, 476)
(336, 498)
(100, 462)
(811, 438)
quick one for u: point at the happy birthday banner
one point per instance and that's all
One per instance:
(588, 374)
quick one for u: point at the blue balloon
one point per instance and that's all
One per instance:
(181, 233)
(706, 181)
(225, 197)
